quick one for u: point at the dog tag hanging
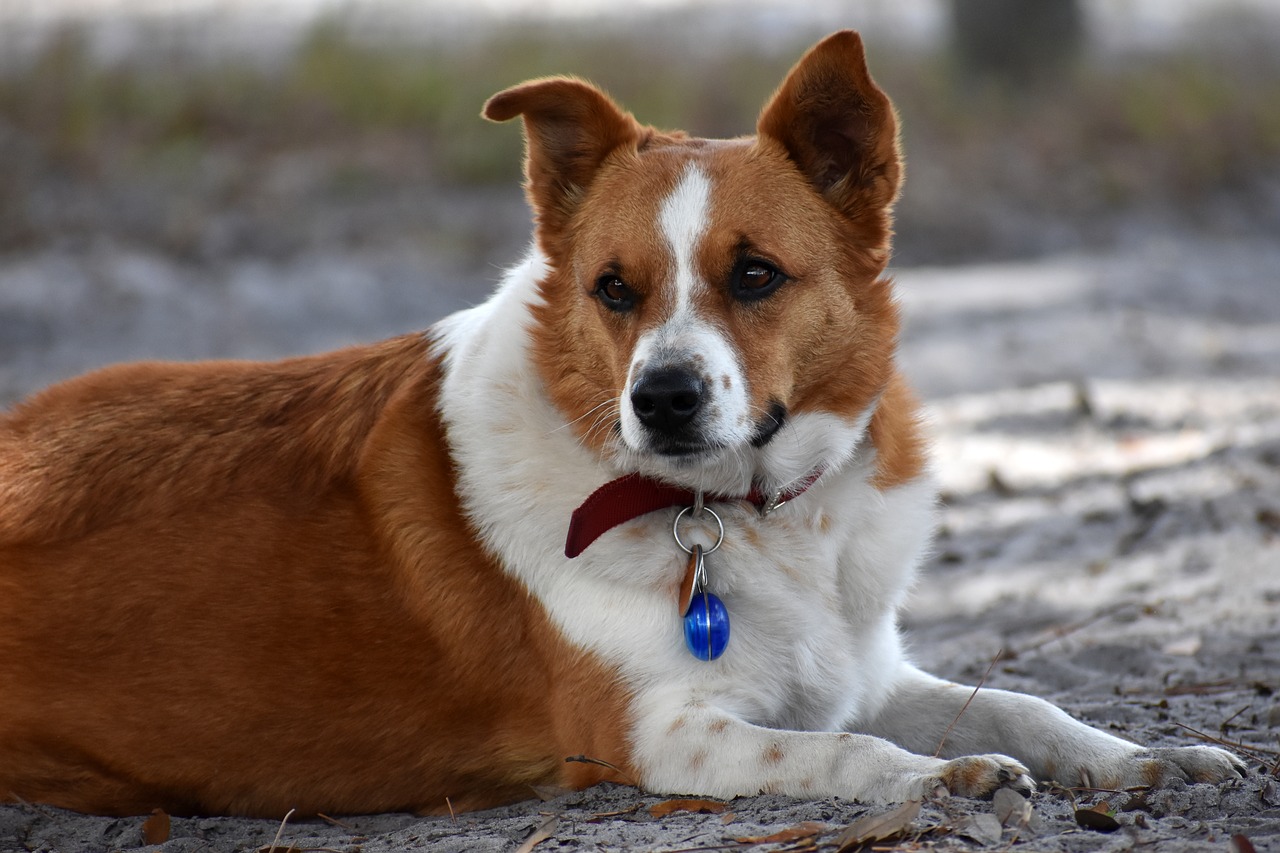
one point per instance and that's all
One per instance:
(706, 621)
(692, 575)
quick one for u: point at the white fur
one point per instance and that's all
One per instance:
(812, 593)
(682, 220)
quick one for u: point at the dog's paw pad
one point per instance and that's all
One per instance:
(981, 775)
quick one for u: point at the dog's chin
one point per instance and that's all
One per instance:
(685, 450)
(714, 468)
(676, 456)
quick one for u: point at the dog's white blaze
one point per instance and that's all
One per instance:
(683, 219)
(684, 338)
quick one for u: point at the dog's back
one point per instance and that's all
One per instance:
(143, 499)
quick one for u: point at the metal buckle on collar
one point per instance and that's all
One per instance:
(774, 502)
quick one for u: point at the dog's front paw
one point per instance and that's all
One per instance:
(1157, 767)
(981, 775)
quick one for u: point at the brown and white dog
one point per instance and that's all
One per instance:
(340, 583)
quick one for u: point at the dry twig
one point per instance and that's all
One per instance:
(279, 832)
(586, 759)
(334, 821)
(942, 742)
(32, 806)
(1062, 631)
(1254, 752)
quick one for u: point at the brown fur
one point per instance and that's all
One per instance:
(246, 588)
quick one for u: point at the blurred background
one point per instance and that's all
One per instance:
(196, 178)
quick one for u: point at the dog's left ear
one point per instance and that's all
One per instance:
(570, 128)
(838, 127)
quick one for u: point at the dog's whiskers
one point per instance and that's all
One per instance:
(612, 400)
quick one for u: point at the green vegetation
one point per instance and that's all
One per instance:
(1171, 131)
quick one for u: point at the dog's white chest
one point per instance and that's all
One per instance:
(810, 622)
(811, 589)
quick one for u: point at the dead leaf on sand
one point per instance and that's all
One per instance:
(540, 834)
(1241, 844)
(1137, 802)
(872, 828)
(1011, 808)
(984, 828)
(666, 807)
(806, 829)
(155, 829)
(1099, 818)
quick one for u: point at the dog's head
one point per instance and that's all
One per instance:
(713, 312)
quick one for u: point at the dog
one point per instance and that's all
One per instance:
(647, 515)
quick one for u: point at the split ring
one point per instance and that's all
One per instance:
(675, 530)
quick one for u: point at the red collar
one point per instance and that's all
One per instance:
(635, 495)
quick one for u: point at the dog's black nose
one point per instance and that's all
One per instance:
(666, 400)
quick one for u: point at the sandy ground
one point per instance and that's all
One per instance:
(1108, 440)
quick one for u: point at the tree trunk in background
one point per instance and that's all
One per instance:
(1018, 43)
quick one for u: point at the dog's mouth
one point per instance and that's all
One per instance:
(683, 452)
(769, 425)
(688, 446)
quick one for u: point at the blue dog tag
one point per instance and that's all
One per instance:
(706, 626)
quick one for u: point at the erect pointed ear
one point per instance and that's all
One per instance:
(570, 128)
(838, 127)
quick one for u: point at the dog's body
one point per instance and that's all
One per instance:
(339, 583)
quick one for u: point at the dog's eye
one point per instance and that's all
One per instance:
(755, 280)
(614, 294)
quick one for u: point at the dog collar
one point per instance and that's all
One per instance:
(634, 495)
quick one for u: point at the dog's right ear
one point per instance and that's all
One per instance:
(570, 127)
(840, 129)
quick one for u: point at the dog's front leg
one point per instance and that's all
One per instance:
(693, 747)
(923, 713)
